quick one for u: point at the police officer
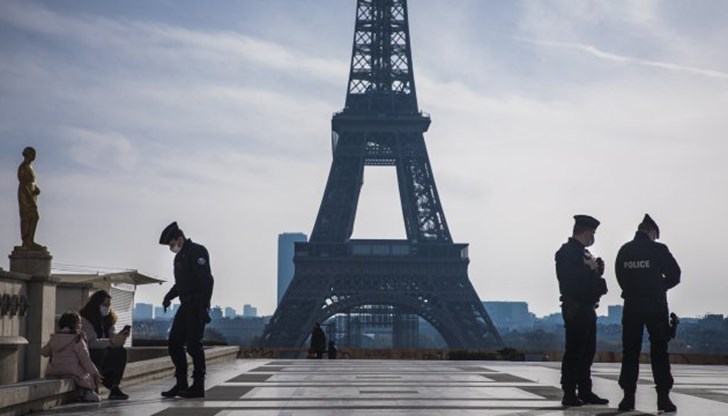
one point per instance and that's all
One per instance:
(646, 271)
(581, 286)
(193, 285)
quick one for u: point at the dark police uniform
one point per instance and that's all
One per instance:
(645, 271)
(193, 285)
(580, 287)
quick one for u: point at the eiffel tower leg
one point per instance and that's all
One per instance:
(335, 221)
(421, 208)
(298, 311)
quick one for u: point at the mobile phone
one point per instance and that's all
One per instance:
(126, 328)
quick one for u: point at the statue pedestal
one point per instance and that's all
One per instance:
(41, 318)
(35, 262)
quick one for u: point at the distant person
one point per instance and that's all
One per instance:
(69, 357)
(581, 285)
(318, 341)
(193, 285)
(106, 346)
(646, 270)
(332, 351)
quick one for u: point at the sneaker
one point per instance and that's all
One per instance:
(591, 398)
(90, 396)
(117, 394)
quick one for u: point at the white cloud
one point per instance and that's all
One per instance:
(607, 56)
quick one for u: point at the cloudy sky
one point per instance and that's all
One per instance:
(217, 114)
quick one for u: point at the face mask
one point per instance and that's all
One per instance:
(104, 311)
(176, 248)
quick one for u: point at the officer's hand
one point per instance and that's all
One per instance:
(204, 315)
(600, 266)
(165, 304)
(592, 263)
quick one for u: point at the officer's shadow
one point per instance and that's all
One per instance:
(627, 413)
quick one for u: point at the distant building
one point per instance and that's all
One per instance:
(143, 312)
(286, 250)
(614, 314)
(511, 315)
(712, 322)
(161, 315)
(250, 311)
(241, 330)
(216, 313)
(550, 321)
(230, 312)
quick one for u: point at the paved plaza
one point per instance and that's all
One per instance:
(378, 387)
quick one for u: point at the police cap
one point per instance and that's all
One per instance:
(169, 233)
(586, 221)
(648, 222)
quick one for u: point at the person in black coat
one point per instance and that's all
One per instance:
(193, 285)
(581, 285)
(646, 270)
(332, 351)
(318, 341)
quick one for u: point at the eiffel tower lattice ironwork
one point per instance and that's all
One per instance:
(426, 274)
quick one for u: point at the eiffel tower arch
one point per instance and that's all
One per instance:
(426, 274)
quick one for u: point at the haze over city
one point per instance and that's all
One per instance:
(217, 115)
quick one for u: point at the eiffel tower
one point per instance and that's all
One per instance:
(426, 274)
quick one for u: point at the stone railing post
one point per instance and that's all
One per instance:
(41, 289)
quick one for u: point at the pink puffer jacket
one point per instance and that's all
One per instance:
(69, 357)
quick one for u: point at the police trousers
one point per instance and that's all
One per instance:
(580, 324)
(186, 336)
(638, 314)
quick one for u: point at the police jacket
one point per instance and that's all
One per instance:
(646, 268)
(578, 283)
(192, 277)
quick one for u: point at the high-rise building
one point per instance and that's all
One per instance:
(249, 310)
(143, 312)
(286, 249)
(614, 313)
(216, 313)
(171, 311)
(230, 312)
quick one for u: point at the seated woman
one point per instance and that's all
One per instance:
(105, 344)
(69, 357)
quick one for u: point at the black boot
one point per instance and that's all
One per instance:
(627, 402)
(178, 388)
(196, 391)
(117, 394)
(664, 403)
(591, 398)
(570, 399)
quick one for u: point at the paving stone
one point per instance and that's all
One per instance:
(402, 388)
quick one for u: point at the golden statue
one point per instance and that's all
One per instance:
(27, 200)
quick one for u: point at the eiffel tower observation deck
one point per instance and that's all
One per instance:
(424, 275)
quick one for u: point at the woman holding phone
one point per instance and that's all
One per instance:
(104, 343)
